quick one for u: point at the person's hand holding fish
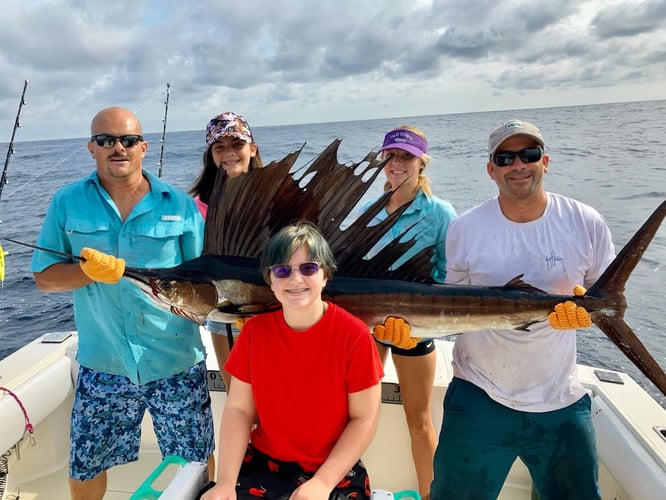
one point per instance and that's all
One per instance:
(102, 267)
(396, 331)
(568, 316)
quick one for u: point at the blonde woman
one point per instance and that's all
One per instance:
(406, 150)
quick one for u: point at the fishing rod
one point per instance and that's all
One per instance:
(10, 150)
(57, 252)
(164, 122)
(3, 178)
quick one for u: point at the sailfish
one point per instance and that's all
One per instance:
(225, 283)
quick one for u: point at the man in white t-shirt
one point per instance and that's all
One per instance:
(515, 393)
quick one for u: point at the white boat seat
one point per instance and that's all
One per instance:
(40, 395)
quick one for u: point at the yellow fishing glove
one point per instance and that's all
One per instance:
(396, 331)
(102, 267)
(569, 316)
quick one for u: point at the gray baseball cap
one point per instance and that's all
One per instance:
(511, 128)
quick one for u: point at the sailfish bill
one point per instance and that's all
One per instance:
(225, 283)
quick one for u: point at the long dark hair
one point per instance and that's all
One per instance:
(203, 185)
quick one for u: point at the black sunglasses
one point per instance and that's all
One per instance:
(284, 270)
(527, 155)
(108, 141)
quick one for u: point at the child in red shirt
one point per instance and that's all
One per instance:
(309, 375)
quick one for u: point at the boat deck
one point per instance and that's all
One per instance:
(638, 452)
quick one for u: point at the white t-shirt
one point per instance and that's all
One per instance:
(570, 244)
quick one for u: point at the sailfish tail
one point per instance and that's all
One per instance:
(624, 337)
(617, 273)
(612, 283)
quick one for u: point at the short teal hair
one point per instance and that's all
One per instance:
(289, 239)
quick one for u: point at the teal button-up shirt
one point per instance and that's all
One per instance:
(429, 218)
(120, 330)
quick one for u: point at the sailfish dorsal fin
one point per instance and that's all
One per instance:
(246, 211)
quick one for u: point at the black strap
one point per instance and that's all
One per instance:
(230, 336)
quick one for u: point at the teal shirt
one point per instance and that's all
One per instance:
(427, 216)
(120, 330)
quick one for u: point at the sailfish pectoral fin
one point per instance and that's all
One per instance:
(623, 337)
(248, 309)
(252, 309)
(230, 313)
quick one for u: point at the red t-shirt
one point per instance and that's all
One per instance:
(301, 379)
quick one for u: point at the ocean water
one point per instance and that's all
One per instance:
(610, 156)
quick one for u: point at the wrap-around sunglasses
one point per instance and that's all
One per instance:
(108, 141)
(508, 158)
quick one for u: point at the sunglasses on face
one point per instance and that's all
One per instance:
(108, 141)
(284, 270)
(527, 155)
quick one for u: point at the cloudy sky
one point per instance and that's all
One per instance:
(305, 61)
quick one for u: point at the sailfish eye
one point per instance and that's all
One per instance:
(166, 285)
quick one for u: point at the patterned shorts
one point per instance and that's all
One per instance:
(108, 410)
(263, 477)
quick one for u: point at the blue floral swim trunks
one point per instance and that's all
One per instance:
(108, 410)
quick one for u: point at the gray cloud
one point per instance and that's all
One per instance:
(305, 60)
(471, 45)
(629, 19)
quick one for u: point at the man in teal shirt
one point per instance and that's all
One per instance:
(132, 354)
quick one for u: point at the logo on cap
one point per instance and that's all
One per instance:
(406, 140)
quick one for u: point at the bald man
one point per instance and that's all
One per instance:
(133, 356)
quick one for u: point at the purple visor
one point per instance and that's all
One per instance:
(407, 140)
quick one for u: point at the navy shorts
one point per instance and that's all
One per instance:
(108, 410)
(480, 439)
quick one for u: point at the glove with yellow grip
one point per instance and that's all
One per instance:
(396, 331)
(102, 267)
(569, 316)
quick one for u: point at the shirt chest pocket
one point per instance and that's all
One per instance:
(91, 233)
(155, 245)
(143, 244)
